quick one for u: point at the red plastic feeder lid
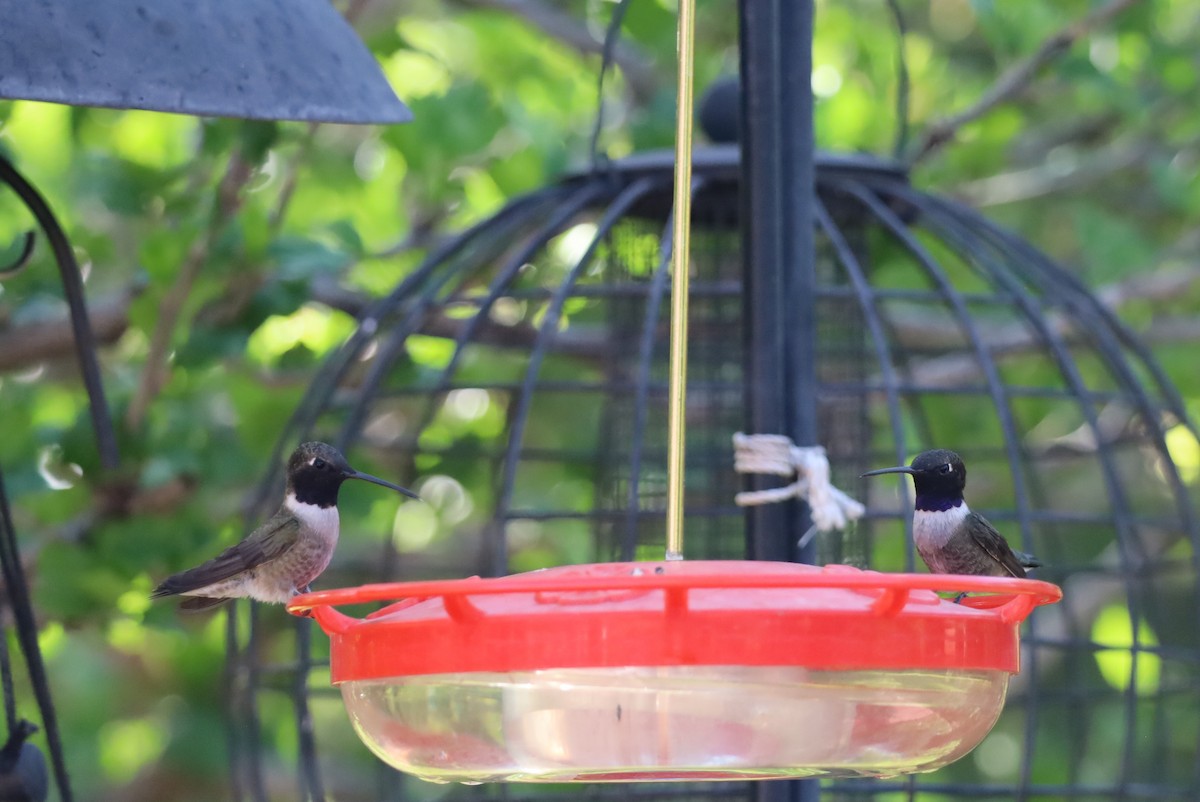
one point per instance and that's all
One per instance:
(677, 614)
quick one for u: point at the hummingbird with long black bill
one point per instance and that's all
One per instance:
(279, 559)
(950, 538)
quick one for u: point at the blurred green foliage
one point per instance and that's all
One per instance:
(1096, 163)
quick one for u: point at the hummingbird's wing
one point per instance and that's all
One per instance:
(263, 545)
(994, 544)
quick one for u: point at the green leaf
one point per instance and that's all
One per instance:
(299, 258)
(347, 235)
(121, 186)
(1112, 246)
(255, 138)
(162, 251)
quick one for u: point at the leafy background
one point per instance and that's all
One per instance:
(214, 251)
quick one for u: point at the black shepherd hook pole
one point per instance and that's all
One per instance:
(72, 281)
(778, 183)
(106, 441)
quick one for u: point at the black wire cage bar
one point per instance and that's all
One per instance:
(934, 328)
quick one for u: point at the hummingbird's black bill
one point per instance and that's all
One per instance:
(366, 477)
(880, 471)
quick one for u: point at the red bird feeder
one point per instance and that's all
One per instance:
(676, 670)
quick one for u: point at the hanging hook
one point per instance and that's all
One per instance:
(607, 54)
(72, 281)
(8, 271)
(903, 90)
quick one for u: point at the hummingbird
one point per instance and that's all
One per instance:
(950, 538)
(280, 558)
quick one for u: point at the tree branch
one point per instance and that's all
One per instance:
(1088, 130)
(1047, 179)
(920, 330)
(291, 175)
(580, 342)
(1017, 78)
(154, 374)
(22, 346)
(30, 343)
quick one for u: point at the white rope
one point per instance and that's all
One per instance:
(774, 454)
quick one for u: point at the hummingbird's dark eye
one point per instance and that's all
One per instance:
(947, 468)
(319, 464)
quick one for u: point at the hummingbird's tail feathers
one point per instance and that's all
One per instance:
(171, 586)
(197, 604)
(179, 583)
(1027, 560)
(184, 582)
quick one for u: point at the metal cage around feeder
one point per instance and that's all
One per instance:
(526, 358)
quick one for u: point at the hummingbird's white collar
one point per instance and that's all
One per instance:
(323, 520)
(935, 528)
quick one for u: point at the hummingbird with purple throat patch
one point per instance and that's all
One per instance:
(950, 538)
(279, 559)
